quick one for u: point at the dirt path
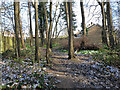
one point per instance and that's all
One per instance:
(81, 72)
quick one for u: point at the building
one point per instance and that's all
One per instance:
(93, 34)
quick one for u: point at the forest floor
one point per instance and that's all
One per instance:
(82, 72)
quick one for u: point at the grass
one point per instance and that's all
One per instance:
(53, 45)
(89, 52)
(64, 51)
(108, 58)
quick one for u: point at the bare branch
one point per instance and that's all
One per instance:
(55, 11)
(99, 3)
(32, 3)
(59, 33)
(4, 8)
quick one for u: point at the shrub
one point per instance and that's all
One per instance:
(79, 44)
(108, 56)
(8, 54)
(91, 47)
(63, 43)
(83, 44)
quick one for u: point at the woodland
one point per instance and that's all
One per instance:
(45, 58)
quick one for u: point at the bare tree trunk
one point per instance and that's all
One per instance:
(67, 14)
(20, 25)
(46, 21)
(104, 34)
(41, 32)
(36, 33)
(83, 24)
(41, 23)
(16, 14)
(55, 28)
(31, 33)
(47, 50)
(71, 49)
(4, 41)
(110, 24)
(5, 45)
(83, 18)
(50, 31)
(13, 41)
(8, 40)
(49, 35)
(52, 34)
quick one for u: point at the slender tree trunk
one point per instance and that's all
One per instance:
(8, 40)
(20, 25)
(36, 33)
(55, 28)
(110, 24)
(41, 24)
(83, 24)
(4, 41)
(67, 14)
(49, 35)
(31, 33)
(1, 37)
(71, 49)
(13, 42)
(44, 26)
(47, 50)
(83, 18)
(16, 14)
(5, 45)
(41, 32)
(104, 35)
(45, 12)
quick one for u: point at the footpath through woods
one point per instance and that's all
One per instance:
(82, 72)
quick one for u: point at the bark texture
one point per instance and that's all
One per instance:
(49, 35)
(67, 14)
(20, 26)
(36, 32)
(83, 18)
(104, 33)
(71, 49)
(16, 18)
(47, 32)
(110, 24)
(41, 22)
(31, 33)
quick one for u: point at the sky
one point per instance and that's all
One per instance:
(90, 14)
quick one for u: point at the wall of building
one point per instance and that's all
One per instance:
(94, 35)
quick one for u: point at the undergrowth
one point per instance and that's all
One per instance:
(108, 56)
(27, 60)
